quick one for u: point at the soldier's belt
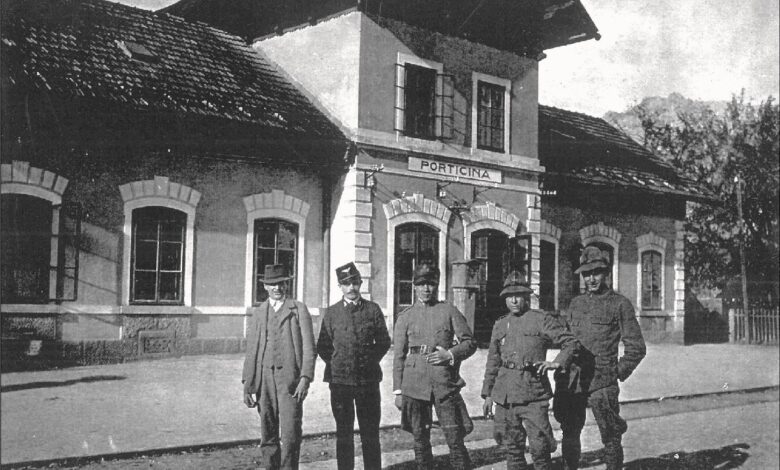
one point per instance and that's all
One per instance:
(527, 366)
(424, 349)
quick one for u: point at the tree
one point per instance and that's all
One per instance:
(719, 151)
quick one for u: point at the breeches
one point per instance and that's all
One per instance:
(280, 422)
(416, 418)
(513, 423)
(344, 401)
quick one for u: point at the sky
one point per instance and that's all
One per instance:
(703, 49)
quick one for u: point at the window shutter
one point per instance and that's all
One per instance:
(69, 245)
(445, 96)
(400, 97)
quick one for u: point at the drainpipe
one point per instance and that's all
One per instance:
(327, 189)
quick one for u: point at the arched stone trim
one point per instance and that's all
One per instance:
(650, 242)
(549, 231)
(415, 209)
(274, 205)
(603, 234)
(18, 177)
(487, 216)
(163, 193)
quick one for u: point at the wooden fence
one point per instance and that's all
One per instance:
(760, 327)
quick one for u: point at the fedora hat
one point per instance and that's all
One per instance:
(515, 283)
(593, 257)
(275, 273)
(348, 272)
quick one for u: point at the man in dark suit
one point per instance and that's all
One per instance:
(278, 368)
(353, 339)
(431, 338)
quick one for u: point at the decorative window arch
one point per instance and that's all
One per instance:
(650, 245)
(419, 209)
(487, 216)
(19, 178)
(600, 233)
(274, 205)
(159, 192)
(551, 234)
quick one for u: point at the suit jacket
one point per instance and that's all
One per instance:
(442, 325)
(296, 339)
(352, 342)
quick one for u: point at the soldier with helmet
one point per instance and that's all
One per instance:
(431, 339)
(600, 319)
(516, 375)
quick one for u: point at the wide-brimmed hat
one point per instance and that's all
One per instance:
(425, 273)
(347, 273)
(593, 257)
(515, 283)
(275, 273)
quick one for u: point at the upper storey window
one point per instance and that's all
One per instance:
(424, 99)
(490, 113)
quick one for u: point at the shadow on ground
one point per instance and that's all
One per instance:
(728, 457)
(61, 383)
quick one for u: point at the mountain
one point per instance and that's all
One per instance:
(666, 108)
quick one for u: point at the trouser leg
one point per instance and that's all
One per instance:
(343, 406)
(268, 409)
(290, 426)
(369, 412)
(606, 410)
(416, 418)
(454, 421)
(569, 411)
(510, 432)
(540, 436)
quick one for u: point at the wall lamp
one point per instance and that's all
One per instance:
(369, 181)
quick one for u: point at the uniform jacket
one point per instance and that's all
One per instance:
(439, 324)
(521, 338)
(296, 340)
(600, 321)
(352, 342)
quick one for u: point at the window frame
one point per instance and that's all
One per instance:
(476, 79)
(257, 270)
(158, 255)
(641, 278)
(402, 62)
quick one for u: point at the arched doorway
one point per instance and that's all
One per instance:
(498, 255)
(415, 243)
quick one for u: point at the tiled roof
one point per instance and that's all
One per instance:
(150, 61)
(597, 153)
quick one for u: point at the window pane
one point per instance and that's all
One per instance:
(170, 286)
(146, 255)
(144, 286)
(265, 257)
(171, 230)
(146, 229)
(287, 258)
(420, 98)
(170, 256)
(288, 233)
(265, 234)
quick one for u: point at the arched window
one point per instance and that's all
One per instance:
(415, 243)
(652, 280)
(276, 242)
(157, 260)
(26, 240)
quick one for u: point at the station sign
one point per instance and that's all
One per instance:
(454, 170)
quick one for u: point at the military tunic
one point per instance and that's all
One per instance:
(521, 396)
(600, 321)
